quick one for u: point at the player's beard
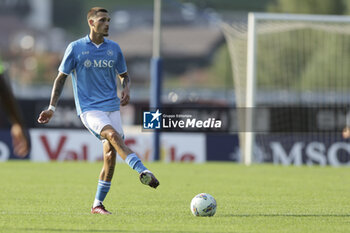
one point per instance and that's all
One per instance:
(105, 34)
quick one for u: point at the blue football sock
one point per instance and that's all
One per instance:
(135, 163)
(102, 190)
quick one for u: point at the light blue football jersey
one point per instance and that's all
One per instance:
(94, 70)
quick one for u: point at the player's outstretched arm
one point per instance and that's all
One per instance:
(19, 134)
(46, 115)
(9, 102)
(125, 95)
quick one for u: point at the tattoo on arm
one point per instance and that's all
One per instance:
(110, 172)
(57, 88)
(125, 80)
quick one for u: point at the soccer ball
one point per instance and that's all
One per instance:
(203, 204)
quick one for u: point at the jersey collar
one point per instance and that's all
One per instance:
(88, 40)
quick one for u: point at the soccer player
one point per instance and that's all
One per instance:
(19, 134)
(94, 62)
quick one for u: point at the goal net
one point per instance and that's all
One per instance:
(297, 69)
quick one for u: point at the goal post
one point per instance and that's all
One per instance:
(285, 53)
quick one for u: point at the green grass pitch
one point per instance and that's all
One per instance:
(56, 197)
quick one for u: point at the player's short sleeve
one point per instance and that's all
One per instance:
(121, 64)
(68, 62)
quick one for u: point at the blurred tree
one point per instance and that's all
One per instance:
(313, 70)
(20, 8)
(347, 6)
(308, 6)
(318, 63)
(237, 5)
(67, 14)
(281, 60)
(71, 14)
(216, 75)
(318, 74)
(220, 70)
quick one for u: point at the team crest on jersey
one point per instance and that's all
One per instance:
(109, 52)
(87, 63)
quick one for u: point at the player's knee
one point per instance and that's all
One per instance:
(111, 134)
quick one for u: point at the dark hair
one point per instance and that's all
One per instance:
(93, 11)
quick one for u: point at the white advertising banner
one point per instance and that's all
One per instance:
(184, 147)
(61, 145)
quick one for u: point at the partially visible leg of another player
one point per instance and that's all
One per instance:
(114, 142)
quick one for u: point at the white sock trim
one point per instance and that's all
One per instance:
(96, 203)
